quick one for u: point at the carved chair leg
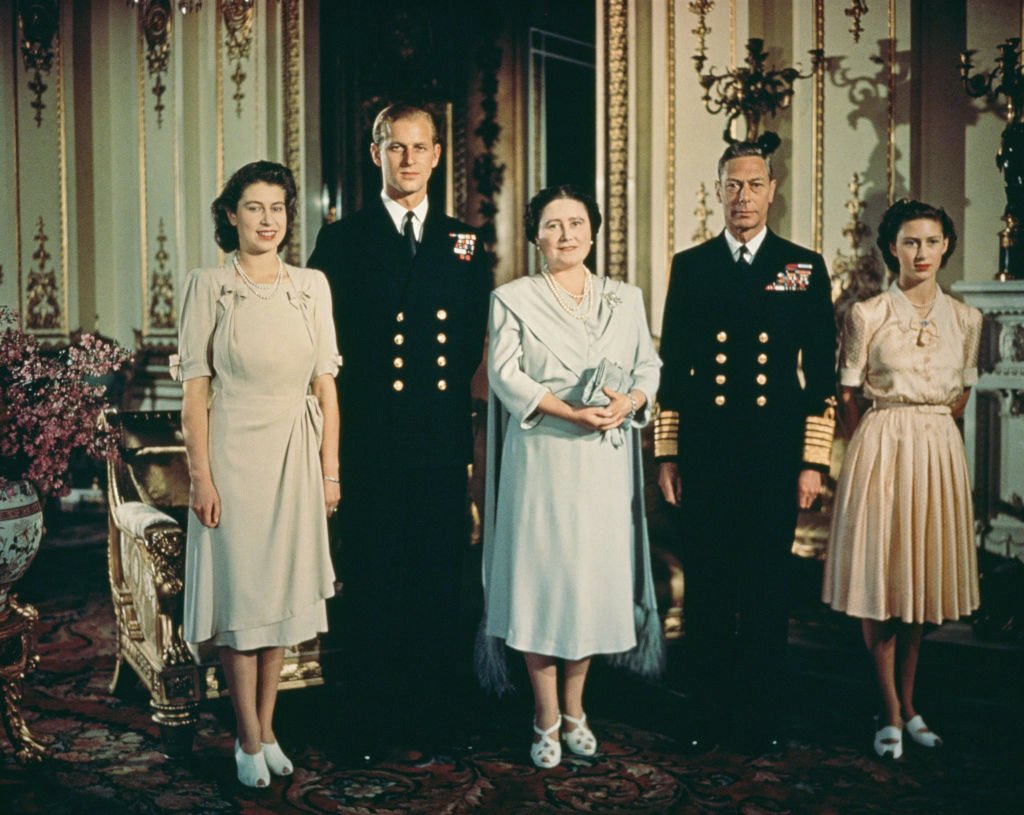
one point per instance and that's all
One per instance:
(177, 727)
(123, 680)
(26, 748)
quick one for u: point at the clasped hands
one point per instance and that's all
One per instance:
(608, 417)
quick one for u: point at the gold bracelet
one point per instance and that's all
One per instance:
(332, 479)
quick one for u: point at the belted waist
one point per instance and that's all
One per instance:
(920, 407)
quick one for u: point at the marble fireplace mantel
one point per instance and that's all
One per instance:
(994, 420)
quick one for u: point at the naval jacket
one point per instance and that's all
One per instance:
(410, 334)
(749, 359)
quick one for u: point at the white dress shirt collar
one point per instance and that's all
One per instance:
(398, 213)
(752, 245)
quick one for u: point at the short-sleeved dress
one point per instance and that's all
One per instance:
(564, 520)
(261, 577)
(902, 542)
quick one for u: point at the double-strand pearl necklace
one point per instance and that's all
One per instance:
(264, 291)
(579, 310)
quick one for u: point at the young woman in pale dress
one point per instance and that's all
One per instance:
(902, 550)
(257, 359)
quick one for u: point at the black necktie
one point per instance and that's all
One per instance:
(744, 256)
(410, 234)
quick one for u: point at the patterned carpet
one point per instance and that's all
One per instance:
(104, 752)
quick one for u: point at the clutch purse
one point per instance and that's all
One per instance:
(607, 374)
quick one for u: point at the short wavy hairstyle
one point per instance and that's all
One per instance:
(269, 172)
(531, 217)
(743, 149)
(400, 110)
(909, 210)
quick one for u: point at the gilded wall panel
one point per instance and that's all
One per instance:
(45, 297)
(160, 123)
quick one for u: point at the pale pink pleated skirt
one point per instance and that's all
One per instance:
(902, 541)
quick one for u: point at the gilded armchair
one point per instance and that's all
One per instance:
(148, 491)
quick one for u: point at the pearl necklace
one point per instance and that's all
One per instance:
(578, 310)
(265, 291)
(924, 310)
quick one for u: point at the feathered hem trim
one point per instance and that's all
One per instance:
(646, 658)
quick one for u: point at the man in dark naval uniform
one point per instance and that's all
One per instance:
(410, 289)
(742, 440)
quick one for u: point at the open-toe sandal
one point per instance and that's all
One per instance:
(580, 740)
(547, 752)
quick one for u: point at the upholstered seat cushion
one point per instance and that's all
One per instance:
(135, 518)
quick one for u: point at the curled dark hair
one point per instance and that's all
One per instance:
(392, 113)
(908, 210)
(269, 172)
(531, 217)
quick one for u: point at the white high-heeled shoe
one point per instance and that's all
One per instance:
(547, 752)
(920, 732)
(277, 762)
(251, 767)
(580, 740)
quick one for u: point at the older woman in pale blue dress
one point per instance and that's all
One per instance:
(572, 370)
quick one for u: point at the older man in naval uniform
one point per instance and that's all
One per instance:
(743, 440)
(410, 289)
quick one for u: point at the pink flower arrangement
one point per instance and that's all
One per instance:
(49, 404)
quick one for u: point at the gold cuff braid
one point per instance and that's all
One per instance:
(666, 433)
(818, 434)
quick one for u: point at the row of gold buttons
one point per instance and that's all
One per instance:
(721, 359)
(760, 379)
(399, 340)
(762, 338)
(760, 401)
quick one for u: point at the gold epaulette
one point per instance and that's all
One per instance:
(818, 434)
(666, 433)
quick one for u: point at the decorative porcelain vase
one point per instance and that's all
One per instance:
(21, 531)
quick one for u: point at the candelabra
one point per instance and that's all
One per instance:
(1005, 79)
(751, 91)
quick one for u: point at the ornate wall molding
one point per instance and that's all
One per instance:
(140, 93)
(42, 302)
(39, 153)
(238, 25)
(701, 8)
(857, 274)
(890, 156)
(291, 27)
(670, 139)
(703, 212)
(488, 173)
(818, 126)
(157, 23)
(162, 312)
(616, 29)
(857, 9)
(38, 23)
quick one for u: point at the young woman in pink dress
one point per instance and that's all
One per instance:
(902, 549)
